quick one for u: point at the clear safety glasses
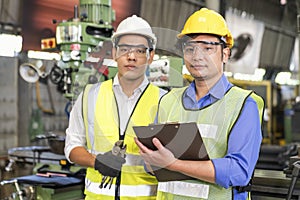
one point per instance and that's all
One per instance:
(204, 47)
(140, 51)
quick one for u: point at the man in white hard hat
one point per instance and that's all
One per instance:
(105, 113)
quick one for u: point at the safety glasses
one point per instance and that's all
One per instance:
(204, 47)
(140, 51)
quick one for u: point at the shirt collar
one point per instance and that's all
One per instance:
(217, 91)
(142, 86)
(220, 88)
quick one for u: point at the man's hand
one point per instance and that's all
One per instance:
(108, 164)
(162, 157)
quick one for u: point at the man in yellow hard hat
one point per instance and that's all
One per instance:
(228, 117)
(105, 113)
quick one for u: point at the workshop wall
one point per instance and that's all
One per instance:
(8, 103)
(280, 22)
(46, 106)
(24, 109)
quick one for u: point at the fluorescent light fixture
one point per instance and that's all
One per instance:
(10, 45)
(285, 78)
(283, 2)
(43, 55)
(156, 57)
(228, 74)
(257, 76)
(110, 62)
(184, 70)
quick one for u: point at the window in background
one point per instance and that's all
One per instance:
(10, 45)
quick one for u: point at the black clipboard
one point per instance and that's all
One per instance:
(183, 139)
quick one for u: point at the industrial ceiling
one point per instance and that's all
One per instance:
(33, 18)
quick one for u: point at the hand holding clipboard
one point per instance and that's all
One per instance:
(182, 139)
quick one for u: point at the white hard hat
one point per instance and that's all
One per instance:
(135, 25)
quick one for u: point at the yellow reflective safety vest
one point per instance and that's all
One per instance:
(217, 120)
(101, 120)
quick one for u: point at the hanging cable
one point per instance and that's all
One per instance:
(39, 101)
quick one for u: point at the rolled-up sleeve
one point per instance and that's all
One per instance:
(236, 168)
(75, 133)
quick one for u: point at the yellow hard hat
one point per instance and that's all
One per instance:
(207, 21)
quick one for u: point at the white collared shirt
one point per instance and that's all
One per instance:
(75, 133)
(125, 103)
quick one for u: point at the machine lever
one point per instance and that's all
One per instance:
(295, 174)
(15, 182)
(9, 168)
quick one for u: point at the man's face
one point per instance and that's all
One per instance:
(132, 56)
(203, 57)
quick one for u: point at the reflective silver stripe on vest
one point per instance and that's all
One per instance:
(91, 100)
(185, 189)
(125, 190)
(132, 160)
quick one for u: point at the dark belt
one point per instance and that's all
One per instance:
(246, 188)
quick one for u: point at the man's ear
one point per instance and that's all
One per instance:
(114, 53)
(151, 56)
(226, 54)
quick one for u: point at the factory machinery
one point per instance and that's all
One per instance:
(275, 176)
(85, 47)
(84, 43)
(52, 176)
(78, 40)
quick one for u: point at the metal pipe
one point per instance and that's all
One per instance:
(19, 191)
(195, 2)
(15, 182)
(213, 5)
(76, 14)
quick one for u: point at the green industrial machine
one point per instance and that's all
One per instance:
(76, 39)
(49, 182)
(53, 177)
(71, 190)
(84, 42)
